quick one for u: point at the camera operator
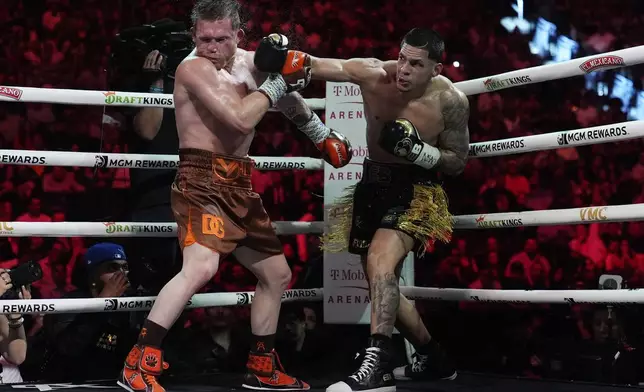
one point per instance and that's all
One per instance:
(154, 133)
(91, 346)
(13, 340)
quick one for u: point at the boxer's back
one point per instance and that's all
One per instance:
(197, 127)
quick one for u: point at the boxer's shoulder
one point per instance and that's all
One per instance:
(447, 92)
(453, 97)
(371, 62)
(195, 67)
(371, 72)
(244, 59)
(246, 56)
(245, 69)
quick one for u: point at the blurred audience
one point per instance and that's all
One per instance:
(66, 44)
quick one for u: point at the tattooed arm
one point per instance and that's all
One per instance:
(294, 108)
(335, 149)
(454, 141)
(292, 105)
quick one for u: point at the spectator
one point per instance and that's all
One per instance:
(515, 182)
(103, 337)
(67, 46)
(529, 256)
(34, 213)
(588, 243)
(214, 340)
(13, 340)
(488, 279)
(61, 181)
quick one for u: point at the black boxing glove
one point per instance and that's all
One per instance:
(400, 138)
(271, 53)
(273, 56)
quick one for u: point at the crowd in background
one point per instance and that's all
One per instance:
(67, 44)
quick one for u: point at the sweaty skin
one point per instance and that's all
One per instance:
(216, 110)
(211, 105)
(440, 114)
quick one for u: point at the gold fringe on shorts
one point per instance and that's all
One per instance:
(340, 215)
(427, 218)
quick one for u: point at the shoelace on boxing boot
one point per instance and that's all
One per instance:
(368, 364)
(420, 363)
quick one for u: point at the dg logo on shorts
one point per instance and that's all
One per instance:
(214, 205)
(212, 225)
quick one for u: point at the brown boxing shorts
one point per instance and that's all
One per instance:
(214, 204)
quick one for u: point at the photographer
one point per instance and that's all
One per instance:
(91, 346)
(13, 340)
(154, 133)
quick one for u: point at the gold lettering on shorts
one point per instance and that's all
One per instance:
(212, 225)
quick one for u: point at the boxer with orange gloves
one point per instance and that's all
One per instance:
(273, 56)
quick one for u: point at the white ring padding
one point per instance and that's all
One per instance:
(129, 304)
(103, 98)
(522, 77)
(562, 139)
(138, 161)
(548, 141)
(571, 297)
(585, 215)
(126, 229)
(543, 73)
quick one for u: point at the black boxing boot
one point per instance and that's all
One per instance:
(375, 371)
(430, 363)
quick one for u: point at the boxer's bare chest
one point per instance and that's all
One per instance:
(384, 103)
(204, 130)
(238, 79)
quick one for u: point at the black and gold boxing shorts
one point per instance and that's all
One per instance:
(389, 196)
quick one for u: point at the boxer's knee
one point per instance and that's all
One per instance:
(200, 264)
(283, 278)
(271, 271)
(379, 263)
(278, 277)
(387, 250)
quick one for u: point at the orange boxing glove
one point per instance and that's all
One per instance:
(297, 70)
(336, 149)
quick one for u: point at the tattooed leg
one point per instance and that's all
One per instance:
(408, 320)
(385, 300)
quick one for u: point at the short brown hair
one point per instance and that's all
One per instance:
(216, 10)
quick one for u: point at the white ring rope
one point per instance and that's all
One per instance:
(548, 141)
(543, 73)
(128, 304)
(607, 297)
(575, 67)
(138, 161)
(101, 98)
(126, 229)
(585, 215)
(562, 139)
